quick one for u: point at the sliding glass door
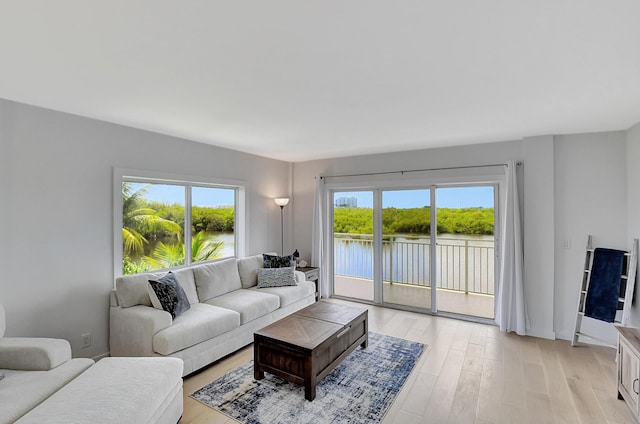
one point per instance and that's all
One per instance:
(465, 254)
(406, 246)
(395, 246)
(353, 245)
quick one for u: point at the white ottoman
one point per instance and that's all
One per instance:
(117, 390)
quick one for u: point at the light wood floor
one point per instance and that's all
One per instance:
(473, 373)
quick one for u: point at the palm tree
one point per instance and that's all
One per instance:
(170, 255)
(138, 220)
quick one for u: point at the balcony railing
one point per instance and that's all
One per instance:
(463, 263)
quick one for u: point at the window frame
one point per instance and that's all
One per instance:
(121, 175)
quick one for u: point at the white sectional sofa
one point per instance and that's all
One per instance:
(41, 383)
(226, 308)
(33, 369)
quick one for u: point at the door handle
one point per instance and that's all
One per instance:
(633, 386)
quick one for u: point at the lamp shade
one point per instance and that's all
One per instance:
(281, 201)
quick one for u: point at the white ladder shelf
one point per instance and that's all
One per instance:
(628, 278)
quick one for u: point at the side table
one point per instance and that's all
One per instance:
(312, 274)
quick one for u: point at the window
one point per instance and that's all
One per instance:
(169, 223)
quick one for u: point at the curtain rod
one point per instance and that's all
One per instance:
(417, 170)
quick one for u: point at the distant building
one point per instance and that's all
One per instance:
(346, 202)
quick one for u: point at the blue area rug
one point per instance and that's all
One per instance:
(360, 390)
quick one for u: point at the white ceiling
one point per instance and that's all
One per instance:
(299, 80)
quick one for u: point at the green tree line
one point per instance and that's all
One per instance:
(202, 218)
(476, 221)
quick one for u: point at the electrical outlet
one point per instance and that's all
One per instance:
(566, 244)
(86, 340)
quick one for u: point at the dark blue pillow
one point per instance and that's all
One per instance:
(271, 261)
(169, 295)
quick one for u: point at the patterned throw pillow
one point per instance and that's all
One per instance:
(276, 277)
(167, 294)
(271, 261)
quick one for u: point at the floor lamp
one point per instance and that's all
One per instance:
(282, 202)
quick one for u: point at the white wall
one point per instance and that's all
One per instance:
(5, 174)
(539, 234)
(57, 233)
(591, 198)
(633, 203)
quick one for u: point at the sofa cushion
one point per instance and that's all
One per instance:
(216, 279)
(251, 304)
(21, 391)
(291, 294)
(167, 294)
(201, 322)
(247, 268)
(33, 354)
(276, 277)
(188, 283)
(132, 290)
(115, 390)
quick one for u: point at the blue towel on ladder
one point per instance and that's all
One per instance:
(604, 287)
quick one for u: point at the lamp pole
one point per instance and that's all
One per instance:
(282, 230)
(282, 202)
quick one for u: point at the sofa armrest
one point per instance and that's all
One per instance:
(113, 298)
(300, 277)
(131, 330)
(33, 354)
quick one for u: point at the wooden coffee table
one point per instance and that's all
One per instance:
(307, 345)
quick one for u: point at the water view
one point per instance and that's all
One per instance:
(466, 261)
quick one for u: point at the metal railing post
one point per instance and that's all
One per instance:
(390, 260)
(466, 267)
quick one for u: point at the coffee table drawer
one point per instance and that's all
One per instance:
(343, 341)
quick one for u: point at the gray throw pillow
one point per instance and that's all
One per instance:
(271, 261)
(276, 277)
(167, 294)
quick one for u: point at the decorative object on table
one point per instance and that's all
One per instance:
(282, 202)
(302, 263)
(296, 256)
(360, 390)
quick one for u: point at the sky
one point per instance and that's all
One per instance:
(452, 197)
(200, 196)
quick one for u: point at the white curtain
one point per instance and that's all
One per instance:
(511, 311)
(318, 257)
